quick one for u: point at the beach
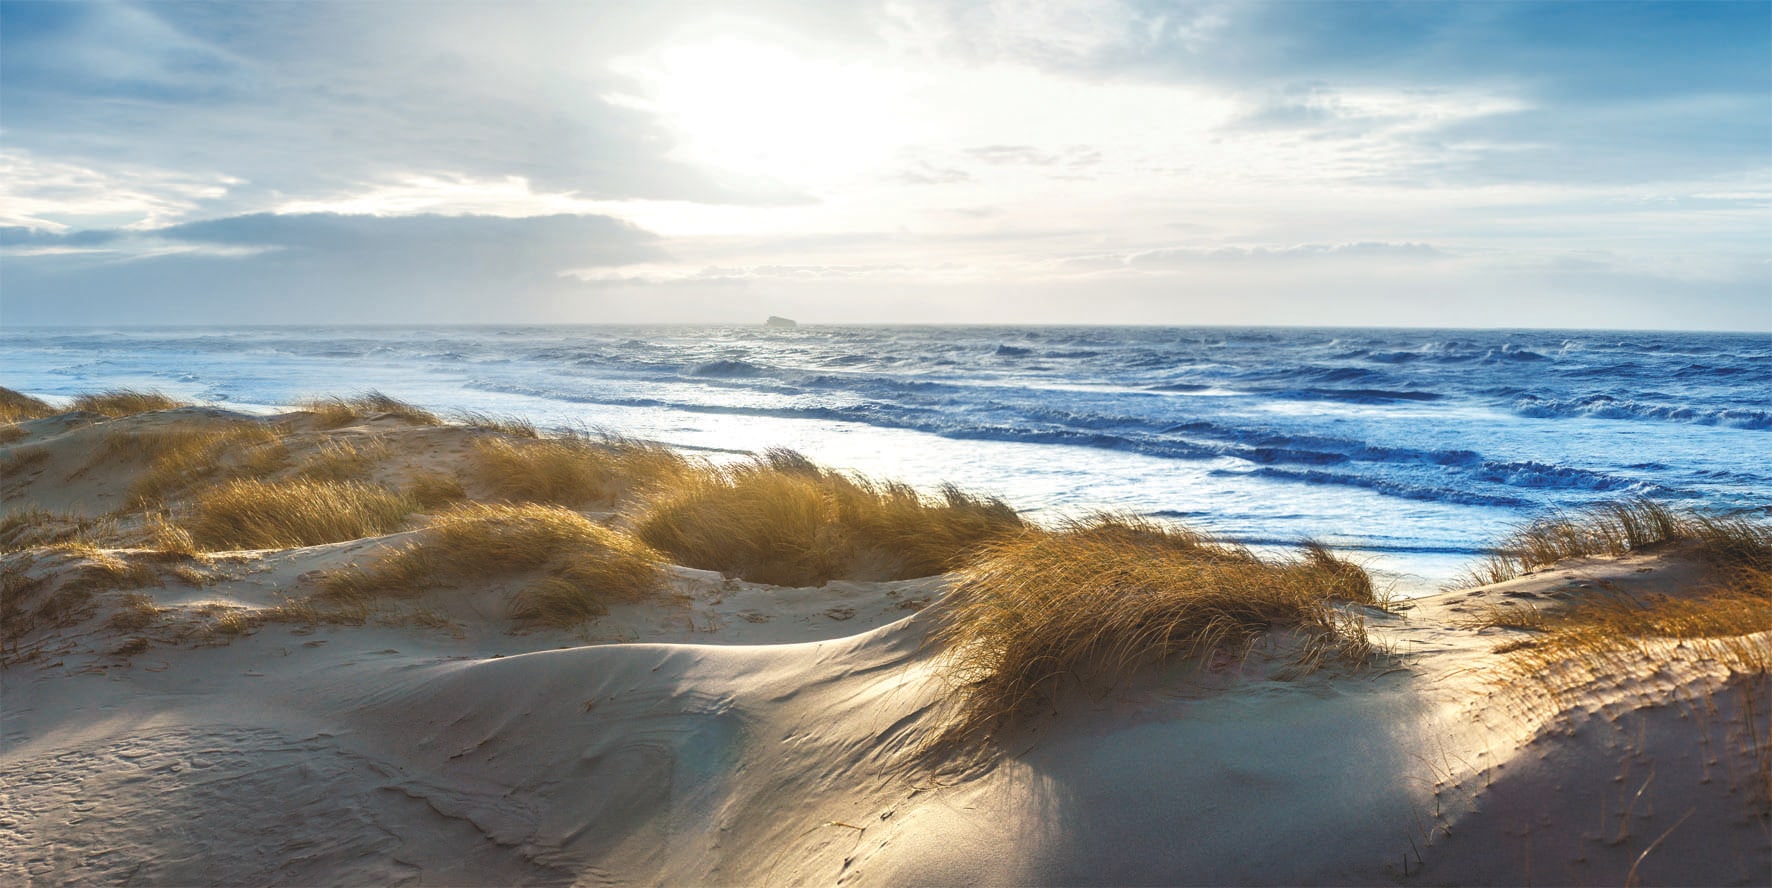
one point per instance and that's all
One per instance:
(925, 442)
(408, 706)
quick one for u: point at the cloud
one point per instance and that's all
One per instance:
(265, 162)
(318, 268)
(650, 275)
(1180, 257)
(305, 99)
(921, 173)
(1621, 92)
(1073, 156)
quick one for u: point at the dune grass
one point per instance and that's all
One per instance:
(187, 454)
(343, 459)
(1726, 621)
(18, 407)
(779, 519)
(126, 402)
(433, 490)
(1619, 528)
(253, 514)
(18, 460)
(1100, 598)
(508, 426)
(573, 470)
(332, 413)
(33, 526)
(584, 565)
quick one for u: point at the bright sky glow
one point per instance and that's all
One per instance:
(1593, 164)
(765, 110)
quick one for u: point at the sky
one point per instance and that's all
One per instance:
(1587, 165)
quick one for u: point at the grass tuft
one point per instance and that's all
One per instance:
(1101, 598)
(1619, 528)
(126, 402)
(185, 455)
(17, 407)
(33, 526)
(573, 470)
(508, 426)
(585, 565)
(252, 514)
(332, 413)
(433, 490)
(782, 520)
(342, 459)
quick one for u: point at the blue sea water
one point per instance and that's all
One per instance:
(1412, 448)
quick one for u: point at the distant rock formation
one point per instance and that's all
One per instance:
(775, 321)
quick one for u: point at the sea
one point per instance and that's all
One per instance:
(1411, 450)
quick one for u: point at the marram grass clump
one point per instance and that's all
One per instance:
(1101, 598)
(574, 470)
(1726, 616)
(253, 514)
(781, 520)
(332, 413)
(1619, 528)
(584, 565)
(126, 402)
(189, 454)
(18, 407)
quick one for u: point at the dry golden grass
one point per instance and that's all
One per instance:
(32, 527)
(252, 514)
(1101, 598)
(342, 459)
(332, 413)
(165, 536)
(1510, 615)
(574, 470)
(508, 426)
(1719, 622)
(1726, 623)
(17, 407)
(18, 460)
(780, 519)
(434, 490)
(136, 612)
(585, 565)
(126, 402)
(63, 597)
(187, 454)
(1622, 527)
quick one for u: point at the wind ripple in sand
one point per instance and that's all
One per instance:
(232, 806)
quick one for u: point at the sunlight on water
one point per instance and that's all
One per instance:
(1415, 448)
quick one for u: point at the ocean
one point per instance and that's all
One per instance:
(1412, 450)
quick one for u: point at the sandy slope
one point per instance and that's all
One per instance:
(744, 734)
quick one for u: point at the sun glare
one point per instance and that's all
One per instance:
(765, 110)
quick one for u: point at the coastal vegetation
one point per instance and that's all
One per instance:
(254, 514)
(781, 519)
(336, 412)
(17, 407)
(1100, 598)
(583, 566)
(1732, 543)
(125, 402)
(571, 469)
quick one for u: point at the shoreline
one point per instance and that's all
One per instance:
(1410, 570)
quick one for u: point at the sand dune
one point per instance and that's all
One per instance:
(191, 726)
